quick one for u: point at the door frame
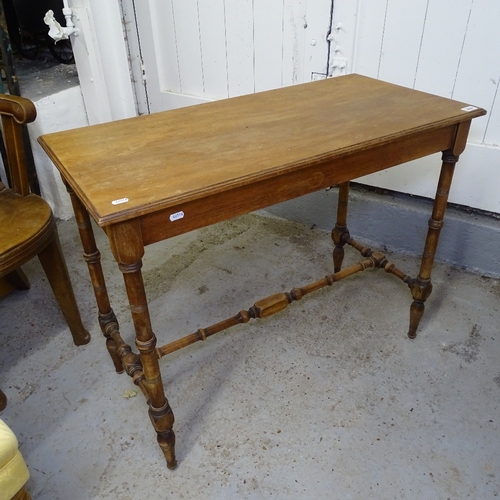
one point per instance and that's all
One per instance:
(101, 56)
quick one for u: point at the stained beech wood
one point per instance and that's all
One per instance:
(340, 234)
(27, 225)
(152, 177)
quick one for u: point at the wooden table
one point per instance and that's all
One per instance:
(152, 177)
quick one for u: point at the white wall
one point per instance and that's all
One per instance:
(62, 111)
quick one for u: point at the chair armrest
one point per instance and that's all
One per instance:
(21, 109)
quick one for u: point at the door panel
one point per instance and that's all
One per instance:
(195, 50)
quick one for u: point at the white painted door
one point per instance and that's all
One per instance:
(449, 48)
(198, 50)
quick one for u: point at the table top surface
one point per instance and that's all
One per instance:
(127, 168)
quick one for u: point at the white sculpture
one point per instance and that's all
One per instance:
(56, 31)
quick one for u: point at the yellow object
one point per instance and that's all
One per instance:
(13, 470)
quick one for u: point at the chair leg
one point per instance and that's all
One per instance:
(54, 265)
(18, 279)
(3, 401)
(22, 494)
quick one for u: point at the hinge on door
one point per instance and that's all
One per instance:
(143, 69)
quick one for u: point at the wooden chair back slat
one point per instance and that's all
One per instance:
(16, 112)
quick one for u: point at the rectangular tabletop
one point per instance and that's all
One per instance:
(201, 164)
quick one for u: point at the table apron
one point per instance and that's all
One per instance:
(157, 226)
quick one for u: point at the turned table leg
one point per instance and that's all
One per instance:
(340, 233)
(91, 254)
(126, 243)
(421, 287)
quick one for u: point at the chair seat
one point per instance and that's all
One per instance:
(13, 470)
(26, 226)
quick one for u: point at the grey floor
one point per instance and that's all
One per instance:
(44, 76)
(328, 399)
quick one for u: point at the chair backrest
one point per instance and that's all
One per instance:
(16, 112)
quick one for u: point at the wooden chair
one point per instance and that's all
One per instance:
(27, 225)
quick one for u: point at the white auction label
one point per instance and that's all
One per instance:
(120, 201)
(177, 216)
(469, 108)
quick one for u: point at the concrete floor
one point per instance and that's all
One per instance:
(328, 399)
(44, 76)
